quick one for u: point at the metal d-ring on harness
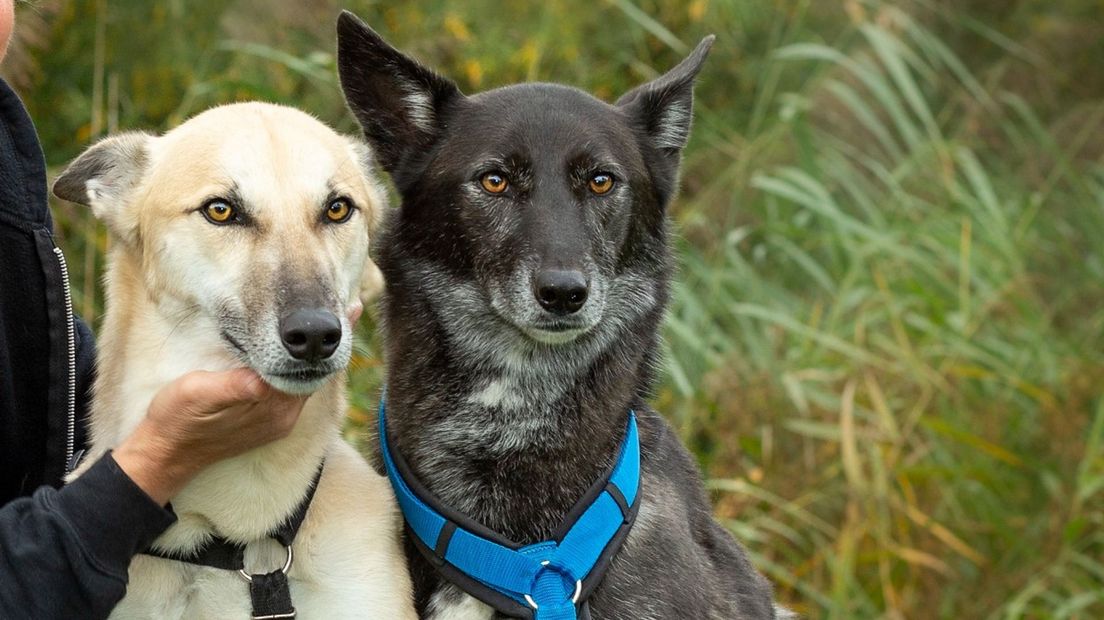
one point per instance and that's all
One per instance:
(269, 592)
(548, 580)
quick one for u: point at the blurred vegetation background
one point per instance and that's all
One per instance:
(886, 345)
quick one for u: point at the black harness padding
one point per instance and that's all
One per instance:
(269, 592)
(271, 596)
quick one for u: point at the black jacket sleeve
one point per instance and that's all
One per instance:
(64, 553)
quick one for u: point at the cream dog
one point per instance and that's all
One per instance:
(241, 238)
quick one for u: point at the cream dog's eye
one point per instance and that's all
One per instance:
(339, 211)
(219, 212)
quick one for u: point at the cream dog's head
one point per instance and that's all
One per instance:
(251, 219)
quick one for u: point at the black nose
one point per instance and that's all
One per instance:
(310, 335)
(560, 292)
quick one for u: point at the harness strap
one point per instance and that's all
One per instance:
(549, 580)
(269, 592)
(216, 553)
(271, 596)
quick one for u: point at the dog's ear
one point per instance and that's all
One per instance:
(664, 107)
(396, 100)
(371, 279)
(371, 282)
(104, 176)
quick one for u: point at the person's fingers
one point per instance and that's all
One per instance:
(212, 391)
(354, 311)
(273, 418)
(286, 416)
(252, 386)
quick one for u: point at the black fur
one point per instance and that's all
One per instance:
(497, 412)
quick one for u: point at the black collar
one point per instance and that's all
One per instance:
(269, 592)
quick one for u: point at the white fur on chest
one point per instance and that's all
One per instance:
(348, 563)
(348, 560)
(501, 392)
(467, 608)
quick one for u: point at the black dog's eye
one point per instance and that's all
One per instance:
(494, 182)
(339, 211)
(601, 183)
(219, 212)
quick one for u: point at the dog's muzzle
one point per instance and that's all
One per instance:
(560, 292)
(310, 335)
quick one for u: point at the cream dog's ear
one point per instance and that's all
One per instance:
(371, 282)
(371, 278)
(104, 178)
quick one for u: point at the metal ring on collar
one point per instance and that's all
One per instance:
(284, 570)
(574, 597)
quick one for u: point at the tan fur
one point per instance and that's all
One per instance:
(174, 280)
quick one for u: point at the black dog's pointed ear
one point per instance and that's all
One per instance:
(664, 107)
(397, 101)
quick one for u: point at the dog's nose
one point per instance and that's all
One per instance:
(560, 292)
(310, 335)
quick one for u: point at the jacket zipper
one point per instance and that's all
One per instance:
(71, 333)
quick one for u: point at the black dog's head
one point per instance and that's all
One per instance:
(540, 200)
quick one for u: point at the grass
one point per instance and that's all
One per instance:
(898, 328)
(885, 346)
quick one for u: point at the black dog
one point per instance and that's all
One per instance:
(527, 274)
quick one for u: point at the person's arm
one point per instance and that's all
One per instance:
(65, 553)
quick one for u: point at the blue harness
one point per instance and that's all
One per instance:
(548, 580)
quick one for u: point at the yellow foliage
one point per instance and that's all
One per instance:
(697, 9)
(528, 55)
(473, 70)
(456, 27)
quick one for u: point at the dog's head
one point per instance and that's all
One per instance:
(250, 221)
(541, 195)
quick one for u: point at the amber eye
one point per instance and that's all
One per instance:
(219, 212)
(494, 182)
(601, 183)
(339, 211)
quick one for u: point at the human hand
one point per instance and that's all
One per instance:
(200, 419)
(353, 311)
